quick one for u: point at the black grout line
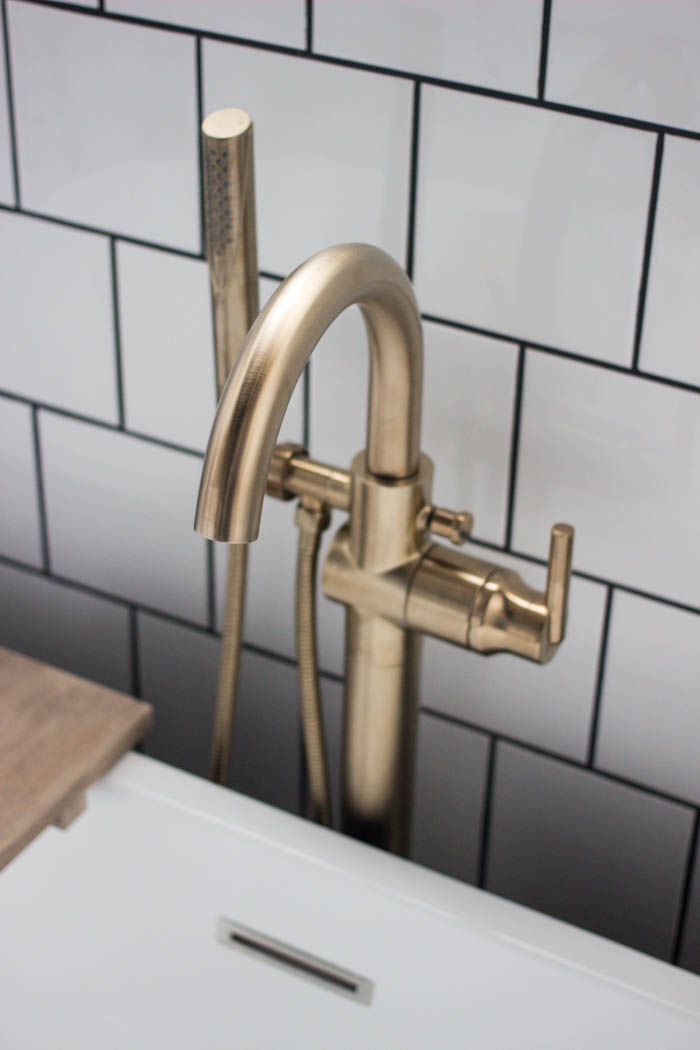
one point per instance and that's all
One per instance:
(78, 417)
(693, 860)
(211, 584)
(332, 676)
(134, 651)
(99, 230)
(486, 813)
(600, 680)
(580, 574)
(646, 258)
(565, 760)
(347, 63)
(118, 368)
(11, 105)
(41, 493)
(270, 275)
(309, 25)
(544, 48)
(515, 445)
(199, 88)
(413, 180)
(486, 544)
(567, 355)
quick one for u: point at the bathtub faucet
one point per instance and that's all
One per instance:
(395, 581)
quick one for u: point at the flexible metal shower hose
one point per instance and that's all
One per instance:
(312, 518)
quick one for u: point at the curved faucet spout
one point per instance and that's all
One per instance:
(271, 360)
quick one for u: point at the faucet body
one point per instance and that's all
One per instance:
(395, 583)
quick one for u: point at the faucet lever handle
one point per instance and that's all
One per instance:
(558, 576)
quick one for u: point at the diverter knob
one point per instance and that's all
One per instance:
(453, 525)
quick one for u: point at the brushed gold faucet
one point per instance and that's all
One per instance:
(395, 581)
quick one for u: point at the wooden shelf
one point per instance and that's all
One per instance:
(58, 733)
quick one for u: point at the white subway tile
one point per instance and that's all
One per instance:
(587, 850)
(275, 21)
(637, 59)
(549, 706)
(537, 218)
(269, 607)
(167, 346)
(7, 188)
(690, 943)
(179, 669)
(339, 391)
(467, 423)
(650, 714)
(331, 615)
(65, 627)
(19, 519)
(178, 672)
(619, 458)
(672, 315)
(332, 701)
(467, 412)
(56, 305)
(495, 45)
(449, 797)
(107, 118)
(331, 150)
(120, 513)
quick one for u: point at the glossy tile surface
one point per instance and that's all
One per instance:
(7, 189)
(167, 345)
(179, 673)
(56, 308)
(637, 59)
(550, 706)
(672, 315)
(276, 21)
(118, 152)
(587, 850)
(120, 514)
(620, 458)
(19, 519)
(331, 148)
(467, 411)
(531, 223)
(467, 423)
(449, 796)
(494, 45)
(269, 615)
(690, 944)
(650, 714)
(65, 627)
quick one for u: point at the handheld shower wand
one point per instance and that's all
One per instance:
(229, 211)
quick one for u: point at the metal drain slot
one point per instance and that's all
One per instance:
(292, 959)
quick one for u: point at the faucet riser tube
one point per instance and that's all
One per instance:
(381, 708)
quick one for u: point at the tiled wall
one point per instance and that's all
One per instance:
(536, 168)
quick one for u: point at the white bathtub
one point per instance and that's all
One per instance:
(108, 939)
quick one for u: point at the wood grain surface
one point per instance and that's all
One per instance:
(58, 733)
